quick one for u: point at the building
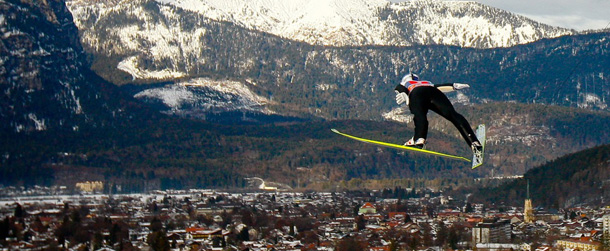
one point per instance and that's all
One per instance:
(497, 247)
(528, 212)
(194, 233)
(581, 244)
(398, 216)
(491, 231)
(90, 186)
(367, 208)
(606, 231)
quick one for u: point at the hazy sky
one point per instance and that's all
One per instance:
(574, 14)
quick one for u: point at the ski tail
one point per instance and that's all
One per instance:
(477, 157)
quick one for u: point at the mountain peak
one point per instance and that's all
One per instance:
(379, 22)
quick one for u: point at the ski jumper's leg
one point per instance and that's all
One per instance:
(419, 104)
(442, 106)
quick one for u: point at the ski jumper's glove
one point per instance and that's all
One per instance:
(459, 86)
(401, 95)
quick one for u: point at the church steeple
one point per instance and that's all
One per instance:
(528, 190)
(528, 212)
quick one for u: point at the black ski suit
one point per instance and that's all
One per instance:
(424, 96)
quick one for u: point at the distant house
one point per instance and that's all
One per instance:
(544, 248)
(450, 216)
(515, 220)
(367, 208)
(196, 233)
(383, 248)
(400, 216)
(90, 186)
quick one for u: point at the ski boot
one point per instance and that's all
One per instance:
(419, 143)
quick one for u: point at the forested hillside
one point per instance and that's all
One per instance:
(176, 153)
(573, 180)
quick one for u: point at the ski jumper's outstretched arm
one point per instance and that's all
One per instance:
(449, 87)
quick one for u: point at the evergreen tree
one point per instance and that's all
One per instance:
(468, 208)
(360, 223)
(158, 241)
(453, 238)
(156, 225)
(243, 235)
(441, 234)
(19, 213)
(350, 244)
(4, 228)
(98, 241)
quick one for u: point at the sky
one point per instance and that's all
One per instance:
(574, 14)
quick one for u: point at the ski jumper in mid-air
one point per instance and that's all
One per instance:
(421, 96)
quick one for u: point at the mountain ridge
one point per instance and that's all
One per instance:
(152, 42)
(379, 22)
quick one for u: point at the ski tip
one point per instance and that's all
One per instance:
(334, 130)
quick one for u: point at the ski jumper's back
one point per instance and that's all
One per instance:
(412, 84)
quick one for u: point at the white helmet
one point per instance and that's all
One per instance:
(409, 77)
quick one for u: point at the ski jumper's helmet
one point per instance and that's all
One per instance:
(410, 77)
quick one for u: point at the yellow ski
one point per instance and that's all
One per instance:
(402, 147)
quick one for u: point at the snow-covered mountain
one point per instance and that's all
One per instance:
(377, 22)
(151, 41)
(354, 22)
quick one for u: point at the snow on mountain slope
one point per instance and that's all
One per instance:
(174, 40)
(130, 65)
(377, 22)
(313, 21)
(203, 95)
(165, 39)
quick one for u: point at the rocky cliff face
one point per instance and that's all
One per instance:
(45, 79)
